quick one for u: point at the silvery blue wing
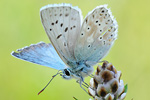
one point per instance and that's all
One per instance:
(42, 54)
(79, 44)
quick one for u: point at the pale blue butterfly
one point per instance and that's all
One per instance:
(77, 45)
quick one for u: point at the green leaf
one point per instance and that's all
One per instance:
(126, 88)
(75, 98)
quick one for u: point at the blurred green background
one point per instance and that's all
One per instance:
(20, 26)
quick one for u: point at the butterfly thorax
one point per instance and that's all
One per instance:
(78, 72)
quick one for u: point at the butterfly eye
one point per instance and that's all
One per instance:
(67, 72)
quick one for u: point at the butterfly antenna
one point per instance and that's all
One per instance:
(49, 82)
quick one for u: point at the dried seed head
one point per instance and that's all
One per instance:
(98, 70)
(106, 75)
(106, 84)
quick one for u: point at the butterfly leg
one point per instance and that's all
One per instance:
(85, 85)
(91, 75)
(81, 81)
(82, 87)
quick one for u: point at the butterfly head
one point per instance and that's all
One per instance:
(78, 72)
(67, 74)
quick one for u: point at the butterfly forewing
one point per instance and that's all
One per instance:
(41, 53)
(62, 24)
(98, 32)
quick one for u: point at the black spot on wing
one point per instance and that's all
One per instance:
(89, 45)
(59, 36)
(61, 24)
(93, 16)
(66, 15)
(96, 21)
(66, 29)
(86, 21)
(52, 23)
(65, 44)
(56, 21)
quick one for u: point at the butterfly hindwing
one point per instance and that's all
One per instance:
(98, 32)
(41, 53)
(62, 24)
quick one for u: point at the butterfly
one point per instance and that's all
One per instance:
(76, 45)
